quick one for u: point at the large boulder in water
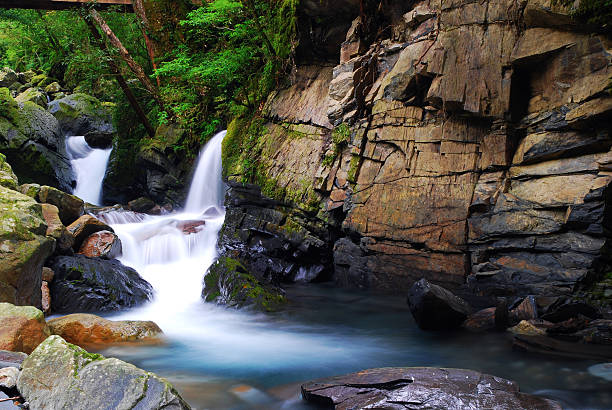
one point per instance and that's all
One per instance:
(31, 139)
(421, 388)
(80, 114)
(83, 284)
(22, 328)
(435, 308)
(23, 248)
(59, 375)
(90, 330)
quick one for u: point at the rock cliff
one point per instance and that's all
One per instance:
(464, 142)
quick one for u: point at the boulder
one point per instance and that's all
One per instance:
(70, 207)
(56, 229)
(47, 274)
(30, 190)
(102, 244)
(142, 205)
(82, 284)
(526, 310)
(228, 282)
(33, 94)
(96, 139)
(53, 88)
(11, 359)
(7, 77)
(481, 321)
(23, 248)
(59, 375)
(80, 114)
(421, 388)
(564, 309)
(8, 179)
(8, 378)
(90, 330)
(435, 308)
(85, 226)
(22, 328)
(191, 227)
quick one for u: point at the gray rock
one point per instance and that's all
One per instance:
(79, 114)
(421, 388)
(7, 77)
(434, 307)
(58, 375)
(8, 377)
(11, 359)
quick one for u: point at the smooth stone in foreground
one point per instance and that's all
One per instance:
(90, 330)
(59, 375)
(22, 328)
(421, 388)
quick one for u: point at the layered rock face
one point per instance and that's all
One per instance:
(472, 144)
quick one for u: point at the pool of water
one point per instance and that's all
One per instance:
(222, 358)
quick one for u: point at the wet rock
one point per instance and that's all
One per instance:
(564, 309)
(22, 328)
(435, 308)
(23, 248)
(526, 310)
(482, 320)
(421, 387)
(11, 359)
(88, 330)
(99, 140)
(95, 285)
(191, 227)
(85, 226)
(555, 347)
(527, 328)
(55, 228)
(70, 207)
(80, 114)
(142, 205)
(228, 282)
(102, 244)
(59, 375)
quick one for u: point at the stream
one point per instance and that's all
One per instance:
(221, 358)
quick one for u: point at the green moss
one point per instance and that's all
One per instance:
(341, 134)
(354, 169)
(82, 357)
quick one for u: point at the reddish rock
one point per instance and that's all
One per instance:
(481, 321)
(46, 297)
(191, 227)
(526, 310)
(22, 328)
(55, 227)
(47, 274)
(102, 244)
(83, 227)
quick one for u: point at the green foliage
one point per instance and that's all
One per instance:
(341, 135)
(595, 12)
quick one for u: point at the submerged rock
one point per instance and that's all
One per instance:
(82, 284)
(90, 330)
(229, 283)
(421, 388)
(435, 308)
(59, 375)
(22, 328)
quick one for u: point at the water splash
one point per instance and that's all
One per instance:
(89, 165)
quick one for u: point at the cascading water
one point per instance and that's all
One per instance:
(89, 165)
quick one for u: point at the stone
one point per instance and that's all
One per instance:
(102, 244)
(11, 359)
(47, 274)
(86, 330)
(435, 308)
(7, 77)
(526, 310)
(22, 328)
(23, 248)
(99, 139)
(53, 88)
(563, 310)
(70, 207)
(56, 229)
(482, 320)
(527, 328)
(30, 190)
(45, 300)
(85, 226)
(34, 94)
(83, 284)
(423, 388)
(8, 378)
(58, 375)
(191, 227)
(555, 347)
(8, 179)
(80, 114)
(142, 205)
(228, 282)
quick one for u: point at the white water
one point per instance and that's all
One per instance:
(89, 165)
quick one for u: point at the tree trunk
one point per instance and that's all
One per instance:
(134, 66)
(140, 11)
(250, 6)
(122, 83)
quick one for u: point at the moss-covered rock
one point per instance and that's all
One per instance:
(79, 114)
(23, 248)
(60, 375)
(34, 94)
(8, 179)
(7, 77)
(22, 328)
(228, 282)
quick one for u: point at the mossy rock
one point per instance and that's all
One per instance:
(228, 282)
(80, 114)
(33, 94)
(8, 179)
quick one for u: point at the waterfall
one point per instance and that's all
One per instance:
(172, 252)
(89, 165)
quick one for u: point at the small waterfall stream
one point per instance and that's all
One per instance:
(89, 165)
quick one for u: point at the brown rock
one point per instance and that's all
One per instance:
(102, 244)
(22, 328)
(70, 207)
(87, 330)
(481, 321)
(83, 227)
(46, 297)
(56, 229)
(526, 310)
(191, 227)
(47, 274)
